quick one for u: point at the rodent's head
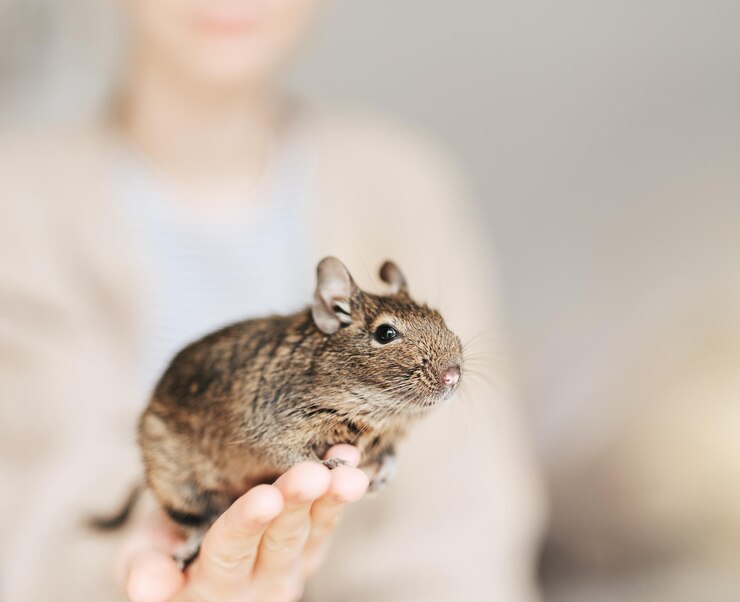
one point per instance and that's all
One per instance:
(398, 352)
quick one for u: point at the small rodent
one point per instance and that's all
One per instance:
(243, 404)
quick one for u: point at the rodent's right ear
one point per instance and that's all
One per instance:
(334, 290)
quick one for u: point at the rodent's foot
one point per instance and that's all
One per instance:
(188, 551)
(377, 485)
(384, 471)
(184, 558)
(332, 463)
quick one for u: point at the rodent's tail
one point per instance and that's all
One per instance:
(116, 521)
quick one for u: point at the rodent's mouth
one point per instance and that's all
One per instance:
(436, 397)
(430, 388)
(447, 393)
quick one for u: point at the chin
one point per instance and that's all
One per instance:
(232, 66)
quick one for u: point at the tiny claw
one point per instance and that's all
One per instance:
(332, 463)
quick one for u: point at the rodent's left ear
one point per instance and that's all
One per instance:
(334, 291)
(392, 275)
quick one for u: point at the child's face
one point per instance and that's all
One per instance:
(219, 42)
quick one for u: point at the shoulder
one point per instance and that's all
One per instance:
(44, 147)
(393, 158)
(47, 169)
(55, 222)
(47, 174)
(377, 132)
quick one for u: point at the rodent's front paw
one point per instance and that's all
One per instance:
(332, 463)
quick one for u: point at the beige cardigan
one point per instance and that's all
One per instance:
(462, 519)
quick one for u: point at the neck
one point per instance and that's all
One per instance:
(211, 144)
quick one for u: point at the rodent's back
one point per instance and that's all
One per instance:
(215, 402)
(229, 374)
(229, 360)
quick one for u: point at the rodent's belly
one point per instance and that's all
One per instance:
(245, 466)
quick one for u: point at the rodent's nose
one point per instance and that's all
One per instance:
(451, 376)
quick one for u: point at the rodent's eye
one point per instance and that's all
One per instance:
(385, 333)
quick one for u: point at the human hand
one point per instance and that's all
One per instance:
(263, 548)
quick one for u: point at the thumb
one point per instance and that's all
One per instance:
(153, 577)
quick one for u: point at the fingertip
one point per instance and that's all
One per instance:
(348, 484)
(153, 577)
(254, 510)
(348, 453)
(304, 482)
(262, 503)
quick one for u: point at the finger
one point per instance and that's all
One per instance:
(284, 540)
(153, 577)
(347, 485)
(348, 453)
(230, 547)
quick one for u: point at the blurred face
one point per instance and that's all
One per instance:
(226, 42)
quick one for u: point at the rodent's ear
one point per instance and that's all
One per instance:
(334, 290)
(392, 275)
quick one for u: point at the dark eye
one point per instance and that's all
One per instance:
(385, 333)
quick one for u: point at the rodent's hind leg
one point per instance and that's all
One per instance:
(385, 468)
(185, 554)
(204, 507)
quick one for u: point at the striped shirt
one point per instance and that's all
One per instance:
(204, 271)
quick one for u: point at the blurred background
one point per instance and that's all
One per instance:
(603, 139)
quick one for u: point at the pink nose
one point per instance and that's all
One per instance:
(451, 376)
